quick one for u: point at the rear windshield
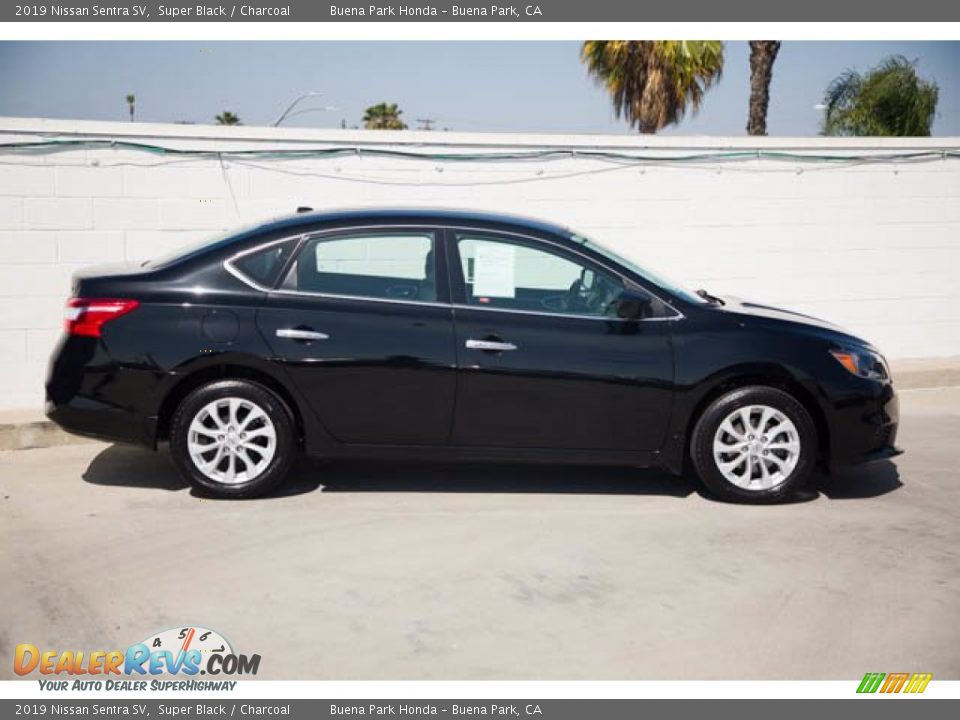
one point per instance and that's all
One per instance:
(201, 246)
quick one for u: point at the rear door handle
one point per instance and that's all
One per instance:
(489, 345)
(298, 334)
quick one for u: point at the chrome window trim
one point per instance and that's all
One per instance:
(364, 298)
(605, 318)
(229, 267)
(303, 237)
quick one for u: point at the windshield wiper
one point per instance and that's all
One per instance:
(710, 298)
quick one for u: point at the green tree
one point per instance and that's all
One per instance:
(131, 104)
(888, 100)
(228, 118)
(763, 53)
(653, 82)
(383, 116)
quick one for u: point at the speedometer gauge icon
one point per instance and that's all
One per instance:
(184, 639)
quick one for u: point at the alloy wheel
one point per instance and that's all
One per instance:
(756, 447)
(231, 440)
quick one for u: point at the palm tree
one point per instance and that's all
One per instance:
(762, 55)
(384, 116)
(652, 82)
(889, 100)
(228, 118)
(131, 104)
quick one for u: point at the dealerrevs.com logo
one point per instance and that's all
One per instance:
(186, 651)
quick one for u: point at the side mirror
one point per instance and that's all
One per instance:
(633, 306)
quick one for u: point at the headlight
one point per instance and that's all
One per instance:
(862, 363)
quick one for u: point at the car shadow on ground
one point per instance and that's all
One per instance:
(857, 483)
(366, 476)
(129, 466)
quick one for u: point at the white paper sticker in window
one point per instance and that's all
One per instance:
(493, 270)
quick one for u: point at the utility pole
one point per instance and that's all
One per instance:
(426, 123)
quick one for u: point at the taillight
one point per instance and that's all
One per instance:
(85, 316)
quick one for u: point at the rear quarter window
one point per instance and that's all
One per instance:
(263, 267)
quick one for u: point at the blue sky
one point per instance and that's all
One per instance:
(470, 86)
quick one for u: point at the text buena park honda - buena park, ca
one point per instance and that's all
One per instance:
(431, 11)
(384, 709)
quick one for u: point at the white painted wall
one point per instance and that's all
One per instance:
(874, 247)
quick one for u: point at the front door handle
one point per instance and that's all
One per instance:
(489, 345)
(300, 334)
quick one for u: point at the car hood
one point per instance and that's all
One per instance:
(769, 312)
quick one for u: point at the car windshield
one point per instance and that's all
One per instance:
(654, 278)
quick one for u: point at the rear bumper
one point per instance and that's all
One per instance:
(88, 394)
(93, 419)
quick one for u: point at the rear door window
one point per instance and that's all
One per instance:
(389, 265)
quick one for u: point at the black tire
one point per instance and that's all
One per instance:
(278, 467)
(701, 444)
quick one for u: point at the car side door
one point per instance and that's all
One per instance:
(362, 324)
(543, 359)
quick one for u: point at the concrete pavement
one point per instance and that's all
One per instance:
(370, 571)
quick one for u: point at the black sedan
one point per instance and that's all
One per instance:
(455, 335)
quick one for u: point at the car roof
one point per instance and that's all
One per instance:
(308, 220)
(444, 216)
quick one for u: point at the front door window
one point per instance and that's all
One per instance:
(511, 275)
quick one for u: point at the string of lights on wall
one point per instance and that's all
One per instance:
(545, 154)
(715, 161)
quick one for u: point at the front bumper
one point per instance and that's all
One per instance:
(864, 424)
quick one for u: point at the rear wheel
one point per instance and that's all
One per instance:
(754, 444)
(233, 439)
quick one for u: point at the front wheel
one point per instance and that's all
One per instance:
(233, 439)
(754, 444)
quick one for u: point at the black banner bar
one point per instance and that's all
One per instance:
(523, 11)
(853, 709)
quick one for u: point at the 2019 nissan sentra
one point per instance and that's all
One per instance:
(455, 335)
